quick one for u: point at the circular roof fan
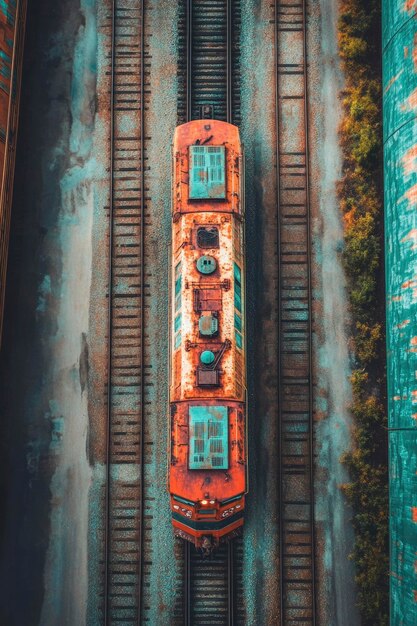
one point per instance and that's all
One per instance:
(206, 264)
(207, 357)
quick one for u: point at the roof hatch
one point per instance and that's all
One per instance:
(207, 173)
(208, 428)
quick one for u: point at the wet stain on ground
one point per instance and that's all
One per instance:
(30, 430)
(84, 364)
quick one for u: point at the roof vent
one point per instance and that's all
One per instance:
(206, 264)
(207, 357)
(208, 237)
(208, 325)
(207, 173)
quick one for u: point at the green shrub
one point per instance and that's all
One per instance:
(368, 341)
(361, 202)
(362, 252)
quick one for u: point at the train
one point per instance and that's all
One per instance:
(12, 31)
(208, 460)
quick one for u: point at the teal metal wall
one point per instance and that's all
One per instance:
(400, 168)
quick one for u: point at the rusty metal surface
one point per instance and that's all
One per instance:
(194, 384)
(403, 520)
(194, 485)
(400, 161)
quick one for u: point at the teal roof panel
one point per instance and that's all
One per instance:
(403, 527)
(207, 172)
(400, 194)
(208, 437)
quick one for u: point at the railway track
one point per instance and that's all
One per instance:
(209, 60)
(126, 554)
(209, 87)
(210, 586)
(296, 527)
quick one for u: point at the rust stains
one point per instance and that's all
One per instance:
(409, 161)
(403, 324)
(411, 196)
(414, 53)
(392, 81)
(411, 236)
(410, 5)
(410, 103)
(207, 340)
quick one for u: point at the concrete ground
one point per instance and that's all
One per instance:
(44, 468)
(261, 565)
(336, 589)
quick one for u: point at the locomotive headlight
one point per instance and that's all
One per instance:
(176, 507)
(204, 501)
(212, 502)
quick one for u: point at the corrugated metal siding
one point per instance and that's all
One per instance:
(400, 168)
(403, 470)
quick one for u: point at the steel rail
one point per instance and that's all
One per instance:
(310, 317)
(279, 303)
(187, 583)
(283, 595)
(111, 276)
(231, 582)
(142, 283)
(109, 321)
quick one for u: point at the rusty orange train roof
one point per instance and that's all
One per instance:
(207, 180)
(207, 132)
(210, 149)
(197, 484)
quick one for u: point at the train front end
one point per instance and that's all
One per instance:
(208, 446)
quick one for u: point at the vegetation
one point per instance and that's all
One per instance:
(360, 194)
